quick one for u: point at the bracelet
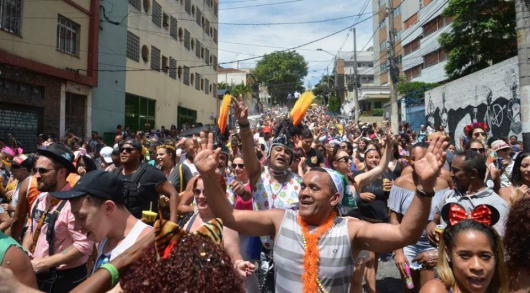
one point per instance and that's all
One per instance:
(114, 274)
(245, 125)
(423, 193)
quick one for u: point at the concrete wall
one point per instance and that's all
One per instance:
(108, 103)
(39, 35)
(490, 95)
(233, 78)
(170, 93)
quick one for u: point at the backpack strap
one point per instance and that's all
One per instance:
(181, 175)
(141, 170)
(51, 226)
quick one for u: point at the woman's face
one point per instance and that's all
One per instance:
(372, 159)
(342, 162)
(162, 156)
(477, 147)
(238, 167)
(525, 169)
(452, 149)
(200, 198)
(473, 261)
(362, 144)
(480, 134)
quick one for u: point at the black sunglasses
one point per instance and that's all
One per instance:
(346, 159)
(128, 150)
(42, 171)
(480, 150)
(240, 166)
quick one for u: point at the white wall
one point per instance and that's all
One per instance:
(233, 78)
(490, 95)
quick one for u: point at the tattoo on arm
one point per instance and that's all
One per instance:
(66, 250)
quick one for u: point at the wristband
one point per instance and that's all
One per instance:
(245, 125)
(114, 274)
(423, 193)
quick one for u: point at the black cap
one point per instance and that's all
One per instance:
(96, 183)
(61, 154)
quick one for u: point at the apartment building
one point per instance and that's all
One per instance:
(168, 76)
(48, 67)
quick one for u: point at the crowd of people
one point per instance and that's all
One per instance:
(271, 205)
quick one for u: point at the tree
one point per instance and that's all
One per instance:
(334, 104)
(483, 32)
(243, 89)
(282, 72)
(223, 86)
(414, 90)
(324, 87)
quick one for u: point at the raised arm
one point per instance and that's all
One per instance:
(252, 164)
(247, 222)
(385, 237)
(367, 177)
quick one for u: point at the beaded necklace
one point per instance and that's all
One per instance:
(312, 253)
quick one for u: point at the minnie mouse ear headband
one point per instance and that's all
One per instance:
(454, 213)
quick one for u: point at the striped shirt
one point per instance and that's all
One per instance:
(336, 260)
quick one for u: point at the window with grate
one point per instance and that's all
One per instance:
(197, 81)
(186, 79)
(155, 58)
(214, 63)
(207, 86)
(198, 49)
(214, 92)
(187, 39)
(67, 36)
(172, 68)
(11, 16)
(215, 35)
(165, 66)
(133, 47)
(136, 4)
(187, 6)
(173, 30)
(215, 8)
(198, 17)
(207, 56)
(157, 14)
(207, 26)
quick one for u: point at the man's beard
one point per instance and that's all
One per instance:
(46, 187)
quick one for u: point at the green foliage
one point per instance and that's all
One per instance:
(324, 87)
(414, 90)
(378, 112)
(282, 72)
(242, 89)
(483, 32)
(334, 104)
(223, 86)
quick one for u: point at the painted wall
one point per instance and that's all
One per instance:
(490, 95)
(233, 78)
(108, 102)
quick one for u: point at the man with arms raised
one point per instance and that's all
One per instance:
(315, 231)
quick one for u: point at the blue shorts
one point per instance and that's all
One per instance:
(412, 251)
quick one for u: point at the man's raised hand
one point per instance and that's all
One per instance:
(207, 159)
(240, 110)
(428, 168)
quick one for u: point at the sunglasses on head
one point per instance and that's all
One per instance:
(479, 150)
(128, 150)
(240, 166)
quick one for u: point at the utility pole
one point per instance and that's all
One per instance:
(522, 18)
(393, 70)
(329, 86)
(356, 93)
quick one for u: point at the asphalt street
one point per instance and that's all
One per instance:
(388, 280)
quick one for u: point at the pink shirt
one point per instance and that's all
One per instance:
(64, 234)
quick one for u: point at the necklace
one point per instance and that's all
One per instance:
(312, 253)
(273, 194)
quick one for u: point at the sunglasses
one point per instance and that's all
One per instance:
(240, 166)
(128, 150)
(477, 134)
(344, 159)
(197, 191)
(42, 171)
(480, 150)
(343, 147)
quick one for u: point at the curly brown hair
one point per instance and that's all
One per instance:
(517, 238)
(195, 265)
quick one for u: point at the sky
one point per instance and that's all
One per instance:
(238, 42)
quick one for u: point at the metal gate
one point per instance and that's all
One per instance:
(23, 122)
(75, 114)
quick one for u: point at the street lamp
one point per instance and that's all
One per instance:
(327, 68)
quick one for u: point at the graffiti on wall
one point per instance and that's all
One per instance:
(490, 96)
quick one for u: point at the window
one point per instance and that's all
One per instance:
(186, 75)
(214, 92)
(207, 56)
(413, 72)
(172, 68)
(187, 6)
(67, 36)
(187, 40)
(198, 17)
(157, 14)
(197, 81)
(383, 67)
(173, 30)
(165, 66)
(216, 9)
(186, 115)
(215, 35)
(383, 45)
(198, 49)
(179, 72)
(207, 86)
(411, 47)
(166, 21)
(214, 63)
(11, 16)
(207, 26)
(155, 58)
(397, 10)
(133, 47)
(136, 4)
(434, 58)
(202, 84)
(139, 111)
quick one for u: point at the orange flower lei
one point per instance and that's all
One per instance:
(312, 253)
